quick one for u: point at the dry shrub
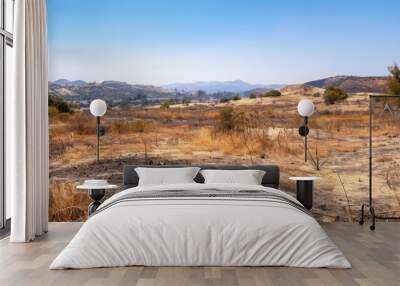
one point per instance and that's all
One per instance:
(60, 118)
(386, 123)
(124, 127)
(69, 214)
(82, 124)
(393, 180)
(250, 134)
(230, 120)
(58, 146)
(286, 143)
(58, 130)
(66, 203)
(239, 129)
(206, 139)
(192, 114)
(333, 94)
(318, 157)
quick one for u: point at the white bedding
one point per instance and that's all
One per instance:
(200, 231)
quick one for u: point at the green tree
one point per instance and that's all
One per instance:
(333, 94)
(230, 120)
(58, 104)
(224, 100)
(201, 93)
(253, 95)
(63, 107)
(165, 104)
(236, 97)
(272, 93)
(394, 80)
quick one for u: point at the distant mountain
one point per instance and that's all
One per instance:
(66, 82)
(237, 86)
(353, 84)
(122, 93)
(114, 92)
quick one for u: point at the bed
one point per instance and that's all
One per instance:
(197, 224)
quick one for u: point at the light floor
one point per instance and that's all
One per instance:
(375, 257)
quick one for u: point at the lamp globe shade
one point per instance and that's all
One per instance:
(305, 107)
(98, 107)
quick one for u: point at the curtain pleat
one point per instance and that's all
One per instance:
(29, 161)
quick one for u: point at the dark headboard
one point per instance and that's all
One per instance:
(271, 177)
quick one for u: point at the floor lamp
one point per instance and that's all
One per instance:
(305, 108)
(98, 108)
(370, 198)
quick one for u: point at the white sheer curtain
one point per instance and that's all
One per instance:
(27, 124)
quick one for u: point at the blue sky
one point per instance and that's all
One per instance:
(270, 41)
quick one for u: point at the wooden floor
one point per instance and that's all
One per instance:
(375, 257)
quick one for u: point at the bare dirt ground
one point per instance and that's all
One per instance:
(264, 132)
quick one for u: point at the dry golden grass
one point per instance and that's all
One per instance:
(269, 136)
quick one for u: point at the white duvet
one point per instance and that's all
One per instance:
(200, 231)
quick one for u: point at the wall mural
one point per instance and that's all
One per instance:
(218, 122)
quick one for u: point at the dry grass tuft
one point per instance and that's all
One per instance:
(65, 203)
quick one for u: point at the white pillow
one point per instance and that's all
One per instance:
(248, 177)
(166, 176)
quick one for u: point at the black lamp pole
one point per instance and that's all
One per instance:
(305, 108)
(303, 131)
(98, 108)
(305, 137)
(98, 137)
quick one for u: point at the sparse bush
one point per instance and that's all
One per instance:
(52, 110)
(59, 104)
(236, 97)
(118, 126)
(253, 95)
(82, 124)
(226, 121)
(186, 101)
(63, 107)
(124, 127)
(224, 100)
(229, 120)
(394, 80)
(165, 104)
(57, 147)
(316, 159)
(272, 93)
(138, 126)
(333, 94)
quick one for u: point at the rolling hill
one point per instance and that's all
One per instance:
(353, 84)
(114, 92)
(66, 82)
(120, 93)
